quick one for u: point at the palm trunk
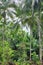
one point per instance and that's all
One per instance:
(30, 41)
(4, 32)
(30, 50)
(30, 26)
(40, 45)
(39, 32)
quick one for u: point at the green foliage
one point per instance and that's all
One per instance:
(35, 57)
(6, 53)
(16, 44)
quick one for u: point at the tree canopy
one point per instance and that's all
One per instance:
(21, 32)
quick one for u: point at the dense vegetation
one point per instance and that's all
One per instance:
(21, 32)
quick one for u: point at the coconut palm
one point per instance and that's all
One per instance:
(38, 21)
(6, 7)
(31, 12)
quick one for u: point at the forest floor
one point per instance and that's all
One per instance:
(30, 63)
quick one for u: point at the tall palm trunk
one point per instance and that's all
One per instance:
(30, 41)
(39, 34)
(40, 45)
(39, 31)
(4, 31)
(30, 26)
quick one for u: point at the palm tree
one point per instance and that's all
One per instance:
(5, 6)
(31, 17)
(38, 21)
(26, 16)
(39, 30)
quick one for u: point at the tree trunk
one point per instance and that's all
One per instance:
(39, 29)
(40, 45)
(30, 26)
(30, 50)
(4, 31)
(30, 41)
